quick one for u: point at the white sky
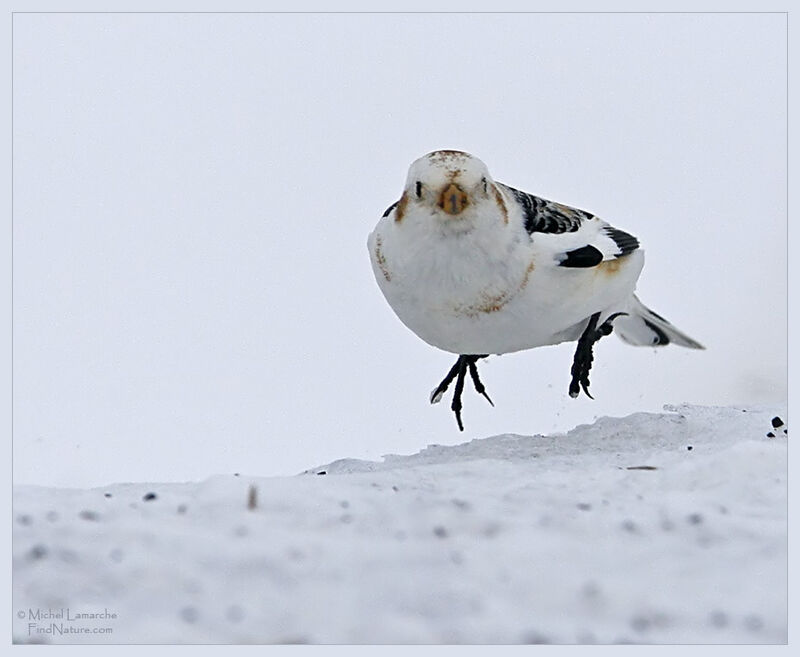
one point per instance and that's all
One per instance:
(192, 196)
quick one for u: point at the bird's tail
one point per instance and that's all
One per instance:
(641, 326)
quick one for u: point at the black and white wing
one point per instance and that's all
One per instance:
(576, 237)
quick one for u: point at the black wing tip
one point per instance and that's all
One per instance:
(626, 243)
(661, 338)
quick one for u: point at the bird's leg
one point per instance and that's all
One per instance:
(582, 362)
(456, 404)
(458, 372)
(438, 391)
(476, 380)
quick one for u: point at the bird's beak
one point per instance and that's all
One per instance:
(453, 200)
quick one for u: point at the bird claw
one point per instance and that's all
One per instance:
(582, 362)
(458, 419)
(458, 372)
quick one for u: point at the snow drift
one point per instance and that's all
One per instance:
(654, 528)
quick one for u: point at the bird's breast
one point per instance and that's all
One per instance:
(467, 281)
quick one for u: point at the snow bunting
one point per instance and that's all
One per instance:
(475, 267)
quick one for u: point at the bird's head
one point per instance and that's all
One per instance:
(452, 187)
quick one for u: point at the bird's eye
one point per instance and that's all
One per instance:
(419, 189)
(485, 185)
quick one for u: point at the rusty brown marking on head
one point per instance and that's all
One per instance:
(400, 210)
(381, 259)
(501, 202)
(446, 155)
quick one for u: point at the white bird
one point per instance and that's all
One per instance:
(475, 267)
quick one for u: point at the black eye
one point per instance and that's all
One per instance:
(419, 189)
(485, 185)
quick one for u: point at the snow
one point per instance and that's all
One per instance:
(654, 528)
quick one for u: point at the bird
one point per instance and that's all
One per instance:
(475, 267)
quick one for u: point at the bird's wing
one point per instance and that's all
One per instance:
(576, 238)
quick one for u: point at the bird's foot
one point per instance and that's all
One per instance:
(582, 362)
(458, 372)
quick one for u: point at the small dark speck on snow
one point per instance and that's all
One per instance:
(293, 640)
(440, 531)
(89, 515)
(584, 506)
(149, 497)
(536, 638)
(718, 618)
(234, 613)
(776, 422)
(689, 447)
(181, 508)
(37, 552)
(189, 614)
(492, 529)
(591, 590)
(68, 556)
(106, 494)
(694, 519)
(322, 472)
(295, 554)
(753, 623)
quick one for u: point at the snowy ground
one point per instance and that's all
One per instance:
(655, 528)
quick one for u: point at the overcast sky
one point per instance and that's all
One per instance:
(193, 193)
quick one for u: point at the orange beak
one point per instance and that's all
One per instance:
(453, 200)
